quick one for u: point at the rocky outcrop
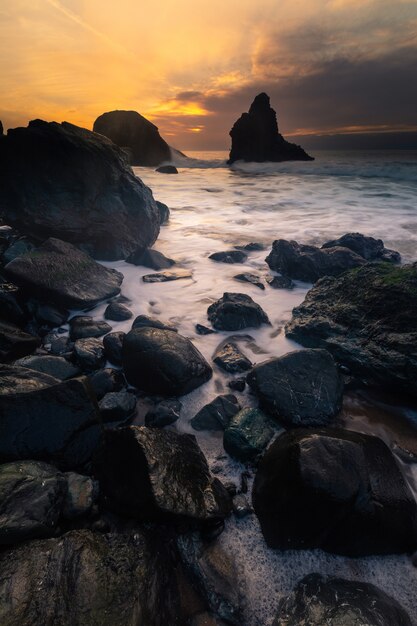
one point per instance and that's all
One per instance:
(132, 131)
(301, 388)
(367, 319)
(45, 419)
(58, 272)
(163, 362)
(324, 601)
(236, 311)
(255, 136)
(58, 180)
(347, 496)
(149, 473)
(89, 578)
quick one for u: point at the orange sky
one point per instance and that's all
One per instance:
(193, 66)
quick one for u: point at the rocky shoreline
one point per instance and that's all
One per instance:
(111, 516)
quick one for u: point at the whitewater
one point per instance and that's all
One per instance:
(215, 207)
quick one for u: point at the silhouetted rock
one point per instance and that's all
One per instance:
(229, 256)
(347, 494)
(236, 311)
(150, 258)
(58, 180)
(310, 263)
(370, 248)
(1, 128)
(163, 362)
(255, 136)
(163, 212)
(301, 388)
(367, 318)
(167, 169)
(329, 601)
(57, 271)
(129, 129)
(150, 473)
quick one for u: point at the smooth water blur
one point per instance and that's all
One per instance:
(213, 208)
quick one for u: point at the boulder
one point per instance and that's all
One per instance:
(163, 212)
(247, 435)
(117, 405)
(200, 329)
(148, 257)
(165, 277)
(89, 578)
(367, 319)
(112, 344)
(334, 601)
(129, 129)
(229, 256)
(369, 248)
(82, 326)
(15, 343)
(44, 419)
(236, 311)
(144, 321)
(55, 366)
(150, 473)
(32, 496)
(106, 381)
(58, 180)
(255, 136)
(216, 415)
(310, 263)
(237, 384)
(89, 353)
(164, 413)
(19, 247)
(279, 282)
(47, 314)
(117, 312)
(162, 362)
(253, 279)
(81, 495)
(347, 496)
(230, 358)
(167, 169)
(60, 273)
(301, 388)
(241, 506)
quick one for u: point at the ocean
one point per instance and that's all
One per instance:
(215, 207)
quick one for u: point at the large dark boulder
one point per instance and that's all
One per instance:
(58, 180)
(236, 311)
(163, 362)
(255, 136)
(58, 272)
(370, 248)
(367, 319)
(301, 388)
(310, 263)
(337, 602)
(128, 129)
(337, 490)
(44, 419)
(149, 473)
(86, 578)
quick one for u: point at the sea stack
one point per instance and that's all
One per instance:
(255, 136)
(139, 137)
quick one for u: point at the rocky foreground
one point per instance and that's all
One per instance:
(107, 514)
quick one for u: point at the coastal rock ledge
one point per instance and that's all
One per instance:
(255, 136)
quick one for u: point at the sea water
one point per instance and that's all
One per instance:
(215, 207)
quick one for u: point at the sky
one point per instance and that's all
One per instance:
(331, 67)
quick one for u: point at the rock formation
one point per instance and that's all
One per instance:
(255, 136)
(63, 181)
(139, 137)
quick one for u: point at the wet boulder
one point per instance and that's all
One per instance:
(55, 366)
(117, 405)
(106, 380)
(89, 353)
(45, 419)
(252, 279)
(15, 343)
(367, 319)
(310, 263)
(117, 312)
(279, 282)
(112, 344)
(255, 136)
(58, 180)
(83, 326)
(236, 311)
(81, 494)
(32, 496)
(247, 435)
(89, 578)
(167, 169)
(149, 473)
(163, 212)
(163, 413)
(347, 496)
(230, 358)
(60, 273)
(163, 362)
(216, 415)
(334, 601)
(301, 388)
(148, 257)
(145, 321)
(229, 256)
(129, 129)
(369, 248)
(167, 276)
